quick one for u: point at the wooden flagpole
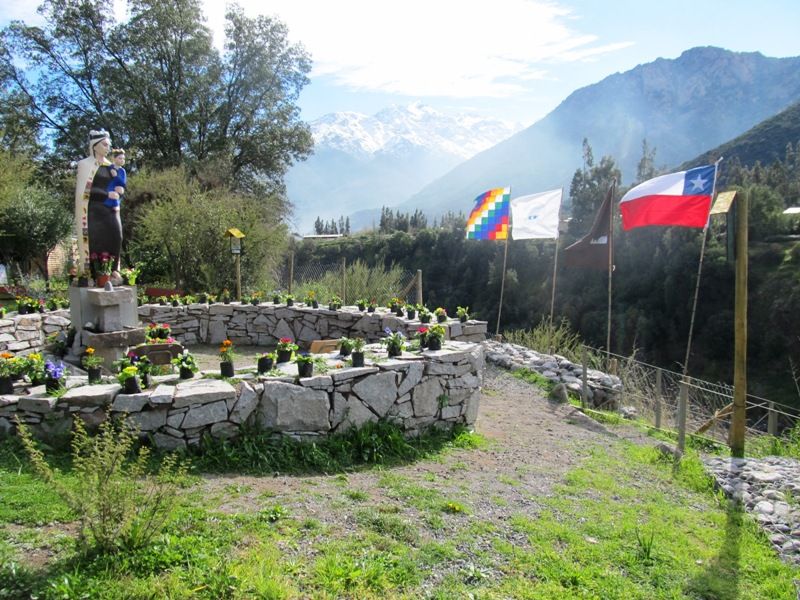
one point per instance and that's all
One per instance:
(610, 265)
(699, 272)
(502, 284)
(555, 268)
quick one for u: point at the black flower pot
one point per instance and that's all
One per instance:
(305, 369)
(22, 310)
(371, 309)
(226, 301)
(345, 351)
(186, 373)
(6, 385)
(463, 319)
(255, 302)
(147, 380)
(226, 369)
(162, 303)
(284, 356)
(362, 307)
(290, 302)
(315, 304)
(51, 384)
(399, 312)
(423, 341)
(94, 374)
(276, 299)
(83, 282)
(175, 303)
(425, 318)
(41, 309)
(393, 307)
(394, 351)
(358, 359)
(434, 343)
(441, 318)
(411, 314)
(264, 365)
(131, 385)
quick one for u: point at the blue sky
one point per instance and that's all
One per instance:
(510, 59)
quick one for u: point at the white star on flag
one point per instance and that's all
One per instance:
(698, 182)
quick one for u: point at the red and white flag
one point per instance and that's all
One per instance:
(682, 199)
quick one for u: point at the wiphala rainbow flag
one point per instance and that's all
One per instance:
(489, 219)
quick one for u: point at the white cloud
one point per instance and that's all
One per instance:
(452, 48)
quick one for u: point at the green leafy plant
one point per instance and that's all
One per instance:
(358, 344)
(226, 353)
(119, 504)
(91, 359)
(462, 311)
(345, 345)
(127, 373)
(303, 359)
(185, 361)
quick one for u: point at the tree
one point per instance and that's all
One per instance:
(31, 225)
(588, 188)
(156, 82)
(646, 168)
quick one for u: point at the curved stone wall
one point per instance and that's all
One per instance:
(416, 391)
(264, 324)
(23, 334)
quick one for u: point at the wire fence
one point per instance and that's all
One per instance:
(350, 281)
(655, 393)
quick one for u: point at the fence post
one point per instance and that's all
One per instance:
(658, 399)
(772, 420)
(584, 382)
(683, 400)
(344, 280)
(291, 270)
(419, 286)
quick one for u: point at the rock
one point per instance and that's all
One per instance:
(202, 391)
(559, 393)
(205, 414)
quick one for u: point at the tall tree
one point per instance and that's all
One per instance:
(157, 83)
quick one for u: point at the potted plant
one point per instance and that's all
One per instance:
(335, 303)
(358, 352)
(434, 337)
(145, 370)
(158, 333)
(211, 298)
(372, 306)
(91, 361)
(175, 300)
(22, 305)
(225, 296)
(345, 346)
(276, 297)
(245, 299)
(188, 299)
(129, 275)
(54, 376)
(285, 348)
(411, 311)
(255, 298)
(422, 337)
(265, 362)
(441, 314)
(394, 342)
(128, 378)
(162, 300)
(187, 365)
(393, 304)
(2, 312)
(305, 364)
(462, 312)
(103, 267)
(35, 368)
(226, 356)
(311, 299)
(424, 315)
(8, 367)
(361, 303)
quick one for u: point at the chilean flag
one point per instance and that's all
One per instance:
(682, 199)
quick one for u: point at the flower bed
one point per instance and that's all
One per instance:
(417, 391)
(265, 324)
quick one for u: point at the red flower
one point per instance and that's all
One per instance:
(286, 340)
(422, 330)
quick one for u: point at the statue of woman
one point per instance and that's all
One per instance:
(98, 226)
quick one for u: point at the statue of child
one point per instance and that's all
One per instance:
(118, 179)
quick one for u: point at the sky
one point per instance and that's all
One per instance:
(510, 59)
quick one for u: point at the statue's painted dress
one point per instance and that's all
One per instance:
(105, 226)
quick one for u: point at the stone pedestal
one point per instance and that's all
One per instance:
(108, 321)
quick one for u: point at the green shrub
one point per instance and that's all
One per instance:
(120, 505)
(549, 338)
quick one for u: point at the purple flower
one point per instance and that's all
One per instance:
(54, 371)
(387, 331)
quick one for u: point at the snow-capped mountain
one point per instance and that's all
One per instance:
(368, 161)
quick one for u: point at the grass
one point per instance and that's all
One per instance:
(625, 523)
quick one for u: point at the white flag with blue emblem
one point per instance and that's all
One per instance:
(535, 216)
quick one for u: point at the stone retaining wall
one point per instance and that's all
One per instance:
(23, 334)
(264, 324)
(416, 391)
